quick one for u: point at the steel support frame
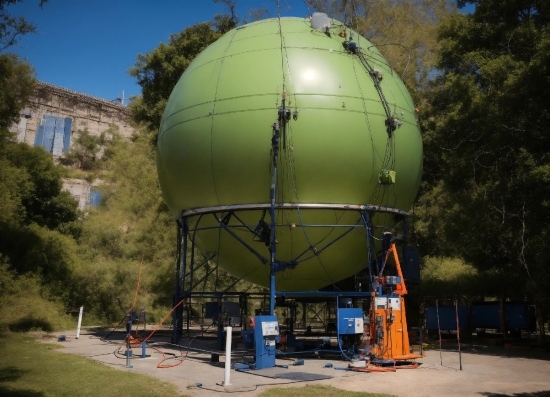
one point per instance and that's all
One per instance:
(184, 277)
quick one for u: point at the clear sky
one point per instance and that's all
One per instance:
(88, 45)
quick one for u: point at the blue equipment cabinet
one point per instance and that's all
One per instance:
(266, 333)
(350, 321)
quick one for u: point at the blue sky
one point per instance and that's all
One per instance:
(88, 45)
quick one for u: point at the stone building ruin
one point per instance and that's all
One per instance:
(53, 119)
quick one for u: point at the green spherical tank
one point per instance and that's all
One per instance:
(350, 145)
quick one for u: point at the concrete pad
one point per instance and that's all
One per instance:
(482, 375)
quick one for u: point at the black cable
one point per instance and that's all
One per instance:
(109, 334)
(241, 391)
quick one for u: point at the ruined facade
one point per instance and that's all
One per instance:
(53, 119)
(55, 115)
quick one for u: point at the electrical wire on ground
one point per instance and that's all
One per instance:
(242, 390)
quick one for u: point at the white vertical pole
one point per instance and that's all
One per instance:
(79, 322)
(228, 336)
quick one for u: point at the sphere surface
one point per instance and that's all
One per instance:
(214, 149)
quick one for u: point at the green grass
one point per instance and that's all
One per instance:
(32, 369)
(316, 391)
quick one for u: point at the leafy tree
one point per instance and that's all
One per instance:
(25, 303)
(17, 80)
(37, 224)
(37, 219)
(12, 28)
(133, 228)
(158, 71)
(40, 196)
(257, 14)
(225, 22)
(486, 139)
(404, 31)
(17, 84)
(85, 150)
(15, 185)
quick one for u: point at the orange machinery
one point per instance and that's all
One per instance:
(387, 332)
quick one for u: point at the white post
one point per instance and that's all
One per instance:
(79, 322)
(229, 332)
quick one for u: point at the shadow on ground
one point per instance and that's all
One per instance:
(497, 348)
(10, 374)
(6, 392)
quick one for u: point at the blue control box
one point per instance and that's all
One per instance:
(266, 334)
(350, 321)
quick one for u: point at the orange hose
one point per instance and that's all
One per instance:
(159, 365)
(138, 283)
(163, 320)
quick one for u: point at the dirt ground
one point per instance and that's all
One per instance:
(486, 371)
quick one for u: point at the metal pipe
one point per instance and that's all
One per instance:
(228, 336)
(293, 294)
(79, 322)
(181, 268)
(128, 353)
(240, 240)
(273, 244)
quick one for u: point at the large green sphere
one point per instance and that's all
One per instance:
(214, 149)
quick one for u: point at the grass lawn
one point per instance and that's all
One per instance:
(316, 391)
(32, 369)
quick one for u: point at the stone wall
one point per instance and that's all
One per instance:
(56, 115)
(85, 111)
(80, 190)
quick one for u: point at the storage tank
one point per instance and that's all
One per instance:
(351, 142)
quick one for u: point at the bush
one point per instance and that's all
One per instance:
(27, 305)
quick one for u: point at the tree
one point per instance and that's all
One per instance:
(42, 201)
(486, 134)
(158, 71)
(12, 28)
(38, 223)
(133, 226)
(17, 84)
(225, 22)
(17, 80)
(85, 150)
(403, 30)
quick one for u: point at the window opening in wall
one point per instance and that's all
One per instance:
(95, 197)
(54, 134)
